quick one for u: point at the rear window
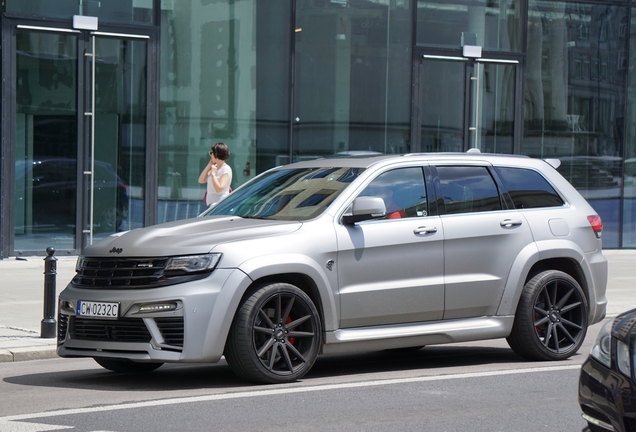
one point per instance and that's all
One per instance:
(468, 189)
(528, 188)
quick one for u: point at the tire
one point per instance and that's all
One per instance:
(551, 319)
(125, 365)
(275, 336)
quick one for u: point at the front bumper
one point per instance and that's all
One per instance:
(607, 398)
(195, 331)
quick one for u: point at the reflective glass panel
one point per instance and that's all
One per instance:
(575, 97)
(466, 104)
(352, 78)
(120, 135)
(629, 191)
(207, 95)
(494, 25)
(492, 105)
(119, 11)
(46, 141)
(442, 84)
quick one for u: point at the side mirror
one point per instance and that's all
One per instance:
(365, 208)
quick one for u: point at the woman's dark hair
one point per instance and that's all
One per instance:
(221, 151)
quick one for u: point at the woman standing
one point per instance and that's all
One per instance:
(217, 174)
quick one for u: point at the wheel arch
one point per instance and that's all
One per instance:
(535, 259)
(297, 270)
(243, 282)
(564, 264)
(300, 280)
(300, 270)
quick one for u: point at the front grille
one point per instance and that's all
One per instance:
(630, 424)
(62, 326)
(121, 330)
(171, 329)
(120, 272)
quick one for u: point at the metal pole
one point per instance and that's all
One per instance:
(48, 327)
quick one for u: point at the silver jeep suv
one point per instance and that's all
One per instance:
(347, 254)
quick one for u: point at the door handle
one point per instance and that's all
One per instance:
(425, 230)
(509, 223)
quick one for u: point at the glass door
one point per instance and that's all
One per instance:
(466, 103)
(46, 138)
(80, 136)
(116, 118)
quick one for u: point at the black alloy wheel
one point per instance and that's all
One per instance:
(551, 319)
(275, 336)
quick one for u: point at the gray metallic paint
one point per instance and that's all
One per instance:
(358, 314)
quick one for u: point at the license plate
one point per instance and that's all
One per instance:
(97, 309)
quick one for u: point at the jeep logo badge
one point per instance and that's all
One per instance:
(116, 250)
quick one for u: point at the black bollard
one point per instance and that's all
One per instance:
(48, 328)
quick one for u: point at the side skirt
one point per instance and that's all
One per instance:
(417, 334)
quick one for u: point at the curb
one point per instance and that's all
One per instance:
(27, 353)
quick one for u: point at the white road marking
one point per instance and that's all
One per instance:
(11, 426)
(9, 421)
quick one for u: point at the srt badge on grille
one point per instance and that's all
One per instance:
(146, 265)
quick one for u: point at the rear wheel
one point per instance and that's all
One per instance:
(551, 318)
(275, 335)
(125, 365)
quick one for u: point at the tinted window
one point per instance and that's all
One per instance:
(403, 192)
(528, 189)
(468, 189)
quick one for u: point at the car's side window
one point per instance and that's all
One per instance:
(403, 192)
(468, 189)
(528, 188)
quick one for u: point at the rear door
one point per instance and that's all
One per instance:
(482, 239)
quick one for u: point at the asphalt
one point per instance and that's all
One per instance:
(23, 282)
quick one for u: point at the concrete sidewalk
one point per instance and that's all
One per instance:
(22, 300)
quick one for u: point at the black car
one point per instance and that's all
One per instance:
(46, 194)
(607, 384)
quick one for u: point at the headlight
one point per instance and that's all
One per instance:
(602, 348)
(192, 263)
(622, 358)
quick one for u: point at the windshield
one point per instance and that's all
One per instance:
(287, 194)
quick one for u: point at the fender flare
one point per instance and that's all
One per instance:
(235, 286)
(528, 257)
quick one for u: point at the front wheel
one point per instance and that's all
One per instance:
(125, 365)
(275, 336)
(551, 318)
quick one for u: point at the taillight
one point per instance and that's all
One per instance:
(597, 224)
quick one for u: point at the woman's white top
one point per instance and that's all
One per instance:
(212, 196)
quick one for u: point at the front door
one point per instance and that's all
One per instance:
(465, 102)
(80, 136)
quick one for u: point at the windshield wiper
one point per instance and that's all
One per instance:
(255, 217)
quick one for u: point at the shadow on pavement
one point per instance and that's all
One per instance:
(434, 360)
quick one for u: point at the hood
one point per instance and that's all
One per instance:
(188, 236)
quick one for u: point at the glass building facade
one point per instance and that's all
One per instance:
(109, 108)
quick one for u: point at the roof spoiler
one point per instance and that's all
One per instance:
(556, 163)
